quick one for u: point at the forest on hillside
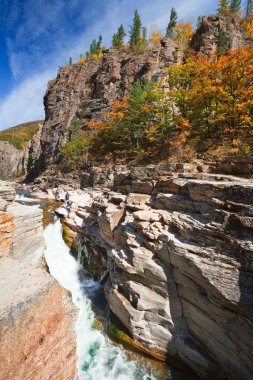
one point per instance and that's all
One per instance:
(201, 108)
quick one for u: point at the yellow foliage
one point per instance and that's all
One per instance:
(155, 37)
(184, 32)
(249, 27)
(82, 60)
(95, 56)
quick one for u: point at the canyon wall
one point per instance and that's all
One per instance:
(178, 251)
(88, 89)
(36, 314)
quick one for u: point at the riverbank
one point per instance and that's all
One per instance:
(177, 247)
(36, 314)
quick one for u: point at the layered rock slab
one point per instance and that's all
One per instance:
(180, 264)
(36, 315)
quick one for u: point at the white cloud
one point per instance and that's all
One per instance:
(25, 102)
(38, 64)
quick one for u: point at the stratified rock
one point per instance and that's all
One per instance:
(28, 234)
(88, 90)
(36, 325)
(36, 315)
(180, 264)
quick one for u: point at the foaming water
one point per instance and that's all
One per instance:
(98, 358)
(23, 198)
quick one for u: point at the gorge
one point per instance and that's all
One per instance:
(126, 219)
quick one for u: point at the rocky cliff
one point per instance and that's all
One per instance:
(88, 89)
(17, 162)
(36, 314)
(206, 40)
(178, 251)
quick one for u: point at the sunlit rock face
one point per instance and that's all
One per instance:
(36, 315)
(178, 249)
(88, 90)
(206, 38)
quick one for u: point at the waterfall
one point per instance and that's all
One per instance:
(98, 358)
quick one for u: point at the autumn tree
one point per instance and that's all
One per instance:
(235, 5)
(76, 150)
(118, 38)
(215, 95)
(172, 23)
(136, 32)
(223, 7)
(155, 37)
(183, 34)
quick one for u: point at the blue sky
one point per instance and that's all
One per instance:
(39, 36)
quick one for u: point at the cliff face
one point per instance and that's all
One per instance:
(178, 250)
(17, 162)
(87, 90)
(12, 160)
(206, 38)
(36, 314)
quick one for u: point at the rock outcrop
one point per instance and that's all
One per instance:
(88, 89)
(12, 160)
(178, 250)
(17, 162)
(207, 37)
(36, 314)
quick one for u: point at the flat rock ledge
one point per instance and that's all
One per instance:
(36, 314)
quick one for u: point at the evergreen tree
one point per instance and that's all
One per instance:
(95, 46)
(249, 8)
(199, 21)
(222, 42)
(118, 38)
(144, 37)
(235, 5)
(223, 8)
(70, 61)
(172, 23)
(136, 32)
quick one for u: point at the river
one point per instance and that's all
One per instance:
(98, 357)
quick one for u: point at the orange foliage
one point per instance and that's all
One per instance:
(248, 26)
(96, 124)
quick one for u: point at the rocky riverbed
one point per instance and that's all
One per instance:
(178, 251)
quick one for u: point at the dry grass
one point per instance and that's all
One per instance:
(19, 135)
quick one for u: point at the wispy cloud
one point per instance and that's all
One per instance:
(43, 34)
(25, 102)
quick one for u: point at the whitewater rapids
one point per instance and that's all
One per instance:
(98, 358)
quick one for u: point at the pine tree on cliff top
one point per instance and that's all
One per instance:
(172, 23)
(136, 32)
(118, 38)
(223, 7)
(235, 5)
